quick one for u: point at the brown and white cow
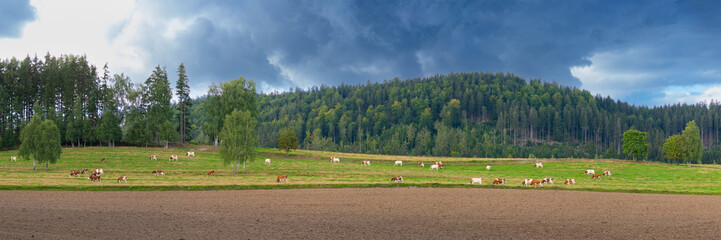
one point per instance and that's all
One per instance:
(282, 178)
(397, 179)
(154, 157)
(606, 173)
(589, 171)
(420, 164)
(527, 181)
(173, 157)
(102, 160)
(84, 171)
(499, 181)
(570, 181)
(211, 172)
(122, 178)
(596, 176)
(539, 165)
(536, 183)
(334, 160)
(158, 172)
(74, 173)
(547, 180)
(366, 163)
(97, 172)
(13, 159)
(190, 154)
(94, 177)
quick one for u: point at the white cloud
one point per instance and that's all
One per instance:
(692, 94)
(607, 75)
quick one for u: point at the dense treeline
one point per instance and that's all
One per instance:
(475, 115)
(89, 107)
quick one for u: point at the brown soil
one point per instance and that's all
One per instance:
(383, 213)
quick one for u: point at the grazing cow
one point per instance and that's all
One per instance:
(539, 165)
(13, 159)
(158, 172)
(434, 166)
(97, 172)
(477, 180)
(596, 176)
(590, 171)
(154, 157)
(420, 164)
(527, 181)
(211, 172)
(536, 182)
(282, 178)
(94, 177)
(398, 163)
(102, 160)
(397, 179)
(488, 167)
(366, 163)
(267, 161)
(570, 181)
(122, 178)
(190, 154)
(74, 173)
(173, 157)
(334, 160)
(606, 173)
(499, 181)
(85, 170)
(547, 180)
(440, 164)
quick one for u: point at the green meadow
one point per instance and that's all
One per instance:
(311, 169)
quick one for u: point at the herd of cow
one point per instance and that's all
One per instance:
(95, 175)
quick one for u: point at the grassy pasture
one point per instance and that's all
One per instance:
(310, 169)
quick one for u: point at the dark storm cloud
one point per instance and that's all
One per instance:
(14, 14)
(284, 44)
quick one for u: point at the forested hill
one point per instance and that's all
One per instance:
(475, 115)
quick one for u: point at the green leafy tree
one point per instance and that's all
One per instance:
(673, 147)
(50, 148)
(238, 139)
(692, 143)
(167, 133)
(288, 140)
(29, 141)
(184, 104)
(635, 144)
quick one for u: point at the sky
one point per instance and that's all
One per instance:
(644, 52)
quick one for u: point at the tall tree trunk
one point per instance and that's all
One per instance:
(34, 163)
(243, 165)
(46, 165)
(216, 141)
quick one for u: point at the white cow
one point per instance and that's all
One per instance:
(173, 157)
(13, 159)
(398, 163)
(335, 160)
(527, 181)
(267, 161)
(366, 163)
(190, 154)
(154, 157)
(607, 173)
(539, 165)
(488, 167)
(434, 166)
(476, 180)
(99, 171)
(590, 171)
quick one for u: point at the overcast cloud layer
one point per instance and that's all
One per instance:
(645, 52)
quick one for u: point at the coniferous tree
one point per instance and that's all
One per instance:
(184, 103)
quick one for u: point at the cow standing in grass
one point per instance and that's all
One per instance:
(282, 178)
(499, 181)
(366, 163)
(211, 172)
(267, 161)
(570, 181)
(420, 164)
(398, 163)
(154, 157)
(13, 159)
(477, 180)
(122, 178)
(397, 179)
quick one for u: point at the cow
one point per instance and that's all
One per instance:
(398, 163)
(440, 164)
(13, 159)
(154, 157)
(211, 172)
(397, 179)
(499, 181)
(122, 178)
(173, 157)
(539, 165)
(536, 183)
(589, 171)
(74, 173)
(95, 177)
(190, 154)
(366, 163)
(596, 176)
(158, 172)
(84, 171)
(606, 173)
(477, 180)
(570, 181)
(434, 166)
(488, 167)
(267, 161)
(102, 160)
(527, 181)
(282, 178)
(97, 172)
(420, 164)
(334, 160)
(547, 180)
